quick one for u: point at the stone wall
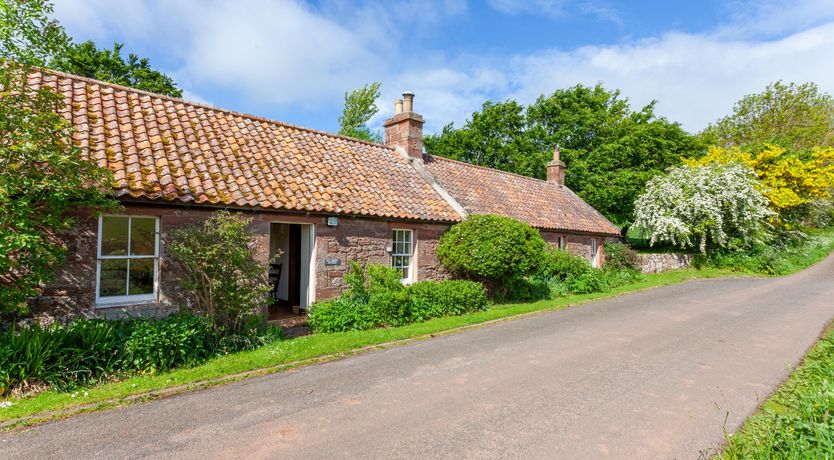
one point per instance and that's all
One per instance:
(72, 292)
(579, 245)
(656, 263)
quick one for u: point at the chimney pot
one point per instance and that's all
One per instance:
(405, 129)
(408, 101)
(556, 168)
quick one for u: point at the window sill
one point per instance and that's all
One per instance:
(126, 302)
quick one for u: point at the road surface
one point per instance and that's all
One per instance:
(656, 374)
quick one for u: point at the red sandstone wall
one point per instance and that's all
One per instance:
(72, 292)
(578, 244)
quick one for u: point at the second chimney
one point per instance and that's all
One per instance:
(405, 128)
(556, 168)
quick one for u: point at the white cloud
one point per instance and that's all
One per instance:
(695, 78)
(287, 55)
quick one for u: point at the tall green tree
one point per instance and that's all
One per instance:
(87, 60)
(43, 175)
(795, 116)
(360, 106)
(610, 150)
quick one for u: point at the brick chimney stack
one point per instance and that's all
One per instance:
(405, 128)
(556, 168)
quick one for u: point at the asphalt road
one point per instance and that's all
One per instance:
(656, 374)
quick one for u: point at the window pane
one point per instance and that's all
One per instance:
(114, 236)
(141, 277)
(112, 278)
(142, 236)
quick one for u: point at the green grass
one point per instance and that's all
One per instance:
(797, 422)
(290, 353)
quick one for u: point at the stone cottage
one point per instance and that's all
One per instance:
(319, 198)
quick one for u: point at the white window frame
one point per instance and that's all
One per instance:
(562, 243)
(410, 278)
(122, 300)
(594, 251)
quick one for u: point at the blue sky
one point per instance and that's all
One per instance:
(293, 60)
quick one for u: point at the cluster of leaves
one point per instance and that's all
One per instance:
(796, 117)
(562, 273)
(785, 134)
(375, 298)
(219, 273)
(788, 179)
(86, 60)
(714, 206)
(492, 249)
(782, 256)
(360, 106)
(610, 150)
(43, 176)
(88, 351)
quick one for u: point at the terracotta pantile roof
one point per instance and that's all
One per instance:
(162, 148)
(542, 204)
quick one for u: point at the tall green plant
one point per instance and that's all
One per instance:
(492, 249)
(220, 274)
(43, 175)
(360, 106)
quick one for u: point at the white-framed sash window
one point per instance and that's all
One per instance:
(127, 267)
(562, 244)
(402, 254)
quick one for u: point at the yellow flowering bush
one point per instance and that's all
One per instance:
(787, 179)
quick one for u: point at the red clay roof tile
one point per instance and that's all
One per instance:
(161, 148)
(544, 205)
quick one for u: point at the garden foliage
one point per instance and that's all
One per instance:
(494, 250)
(708, 207)
(375, 298)
(93, 350)
(43, 176)
(219, 274)
(787, 179)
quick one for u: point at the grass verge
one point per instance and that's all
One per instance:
(797, 422)
(286, 354)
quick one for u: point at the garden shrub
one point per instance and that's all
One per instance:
(375, 297)
(88, 351)
(433, 299)
(340, 315)
(708, 207)
(160, 345)
(220, 275)
(62, 357)
(492, 249)
(620, 255)
(562, 265)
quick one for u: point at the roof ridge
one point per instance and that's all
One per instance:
(496, 170)
(208, 106)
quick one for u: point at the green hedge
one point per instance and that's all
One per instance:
(373, 300)
(93, 350)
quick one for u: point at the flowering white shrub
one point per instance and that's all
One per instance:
(716, 205)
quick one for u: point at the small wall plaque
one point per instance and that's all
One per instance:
(332, 221)
(332, 262)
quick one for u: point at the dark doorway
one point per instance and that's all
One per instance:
(285, 274)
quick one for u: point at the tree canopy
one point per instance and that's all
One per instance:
(794, 116)
(86, 60)
(360, 106)
(42, 174)
(609, 149)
